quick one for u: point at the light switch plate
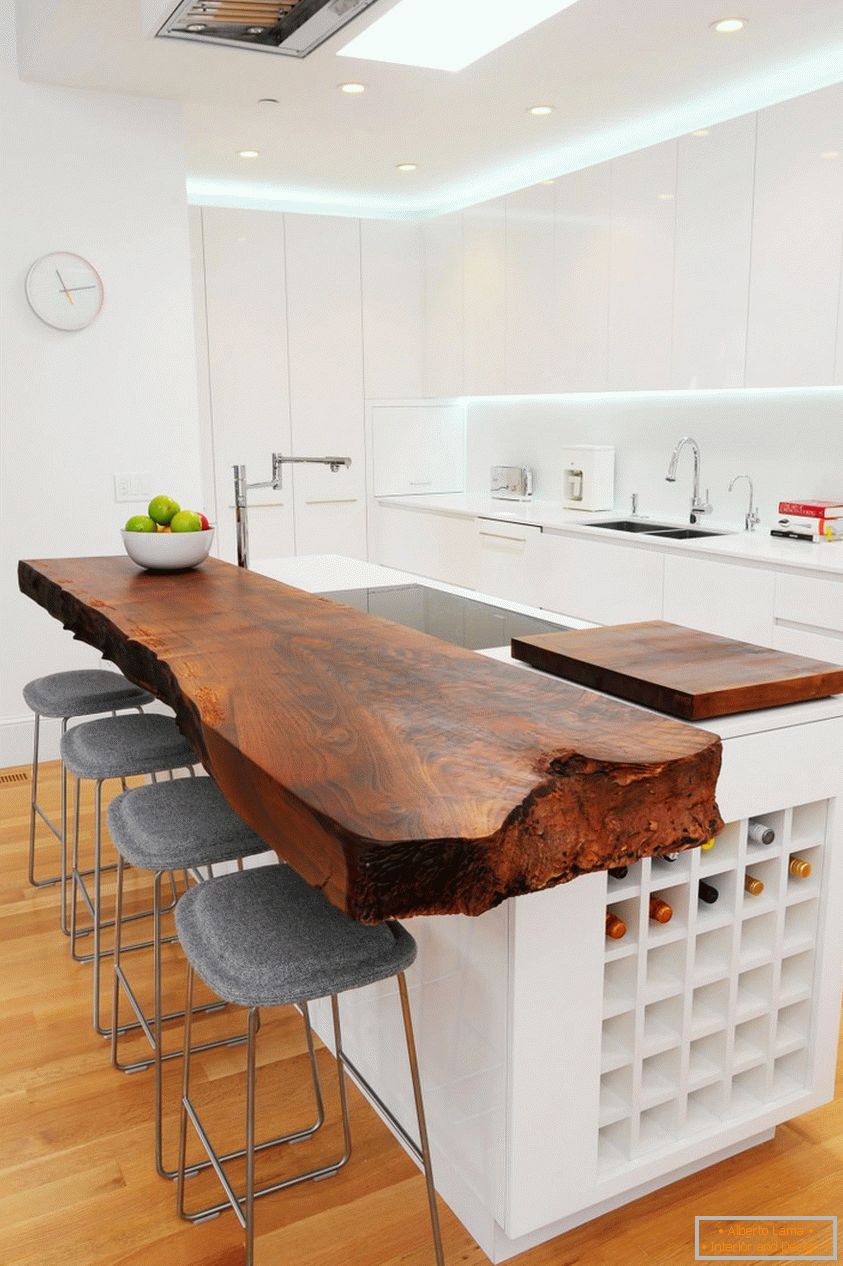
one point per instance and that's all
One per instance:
(132, 487)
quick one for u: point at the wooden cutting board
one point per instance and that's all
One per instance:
(680, 671)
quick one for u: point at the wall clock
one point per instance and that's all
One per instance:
(64, 290)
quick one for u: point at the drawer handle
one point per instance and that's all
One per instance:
(502, 536)
(332, 501)
(420, 483)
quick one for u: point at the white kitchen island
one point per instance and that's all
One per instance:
(566, 1074)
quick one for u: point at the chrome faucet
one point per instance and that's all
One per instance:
(242, 488)
(698, 506)
(753, 518)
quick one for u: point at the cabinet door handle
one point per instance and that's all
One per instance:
(332, 501)
(420, 483)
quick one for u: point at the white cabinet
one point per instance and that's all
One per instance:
(393, 288)
(441, 546)
(711, 271)
(594, 580)
(582, 279)
(723, 598)
(532, 315)
(809, 615)
(796, 242)
(248, 386)
(417, 449)
(508, 561)
(641, 277)
(484, 298)
(326, 381)
(442, 372)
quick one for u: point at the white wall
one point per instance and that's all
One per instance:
(790, 442)
(102, 175)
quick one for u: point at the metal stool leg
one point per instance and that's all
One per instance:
(36, 812)
(424, 1144)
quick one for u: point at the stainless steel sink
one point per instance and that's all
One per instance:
(633, 525)
(669, 531)
(687, 534)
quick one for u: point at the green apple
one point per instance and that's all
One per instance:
(186, 521)
(161, 509)
(140, 523)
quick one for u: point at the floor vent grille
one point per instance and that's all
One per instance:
(15, 777)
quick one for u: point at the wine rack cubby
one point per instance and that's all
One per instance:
(708, 1018)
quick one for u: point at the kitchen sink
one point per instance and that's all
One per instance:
(633, 525)
(667, 530)
(687, 534)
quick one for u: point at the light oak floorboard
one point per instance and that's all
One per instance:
(77, 1182)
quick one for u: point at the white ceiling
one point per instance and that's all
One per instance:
(621, 73)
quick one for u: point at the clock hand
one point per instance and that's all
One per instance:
(72, 288)
(64, 288)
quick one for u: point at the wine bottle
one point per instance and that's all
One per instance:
(798, 867)
(708, 893)
(619, 872)
(753, 886)
(615, 926)
(660, 911)
(709, 844)
(760, 833)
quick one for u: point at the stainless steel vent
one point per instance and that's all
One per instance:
(292, 27)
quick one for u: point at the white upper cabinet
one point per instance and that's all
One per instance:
(582, 279)
(326, 381)
(532, 314)
(484, 298)
(796, 242)
(641, 273)
(442, 245)
(248, 369)
(392, 269)
(417, 449)
(713, 239)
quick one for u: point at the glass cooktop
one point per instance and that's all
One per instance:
(463, 621)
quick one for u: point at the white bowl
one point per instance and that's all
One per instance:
(168, 551)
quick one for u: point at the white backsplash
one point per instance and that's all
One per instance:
(790, 442)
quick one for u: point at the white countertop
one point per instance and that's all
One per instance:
(758, 547)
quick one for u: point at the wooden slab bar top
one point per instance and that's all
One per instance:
(680, 671)
(400, 774)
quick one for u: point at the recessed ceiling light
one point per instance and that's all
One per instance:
(353, 90)
(441, 35)
(830, 153)
(701, 131)
(407, 166)
(248, 153)
(541, 109)
(666, 197)
(728, 26)
(548, 182)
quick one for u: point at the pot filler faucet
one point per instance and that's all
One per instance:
(242, 488)
(698, 506)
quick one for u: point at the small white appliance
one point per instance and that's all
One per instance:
(588, 477)
(511, 483)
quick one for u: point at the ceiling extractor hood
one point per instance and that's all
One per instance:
(292, 27)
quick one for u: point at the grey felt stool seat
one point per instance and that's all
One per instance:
(186, 825)
(113, 747)
(62, 696)
(263, 938)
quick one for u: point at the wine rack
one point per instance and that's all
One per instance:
(708, 1019)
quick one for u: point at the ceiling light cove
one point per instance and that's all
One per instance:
(441, 35)
(352, 89)
(248, 153)
(728, 26)
(407, 167)
(541, 110)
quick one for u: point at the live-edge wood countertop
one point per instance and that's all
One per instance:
(399, 773)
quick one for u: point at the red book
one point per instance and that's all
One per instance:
(812, 509)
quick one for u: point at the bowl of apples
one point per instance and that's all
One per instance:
(167, 538)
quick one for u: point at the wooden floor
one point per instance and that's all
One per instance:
(79, 1187)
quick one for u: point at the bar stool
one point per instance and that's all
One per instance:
(186, 825)
(113, 747)
(63, 696)
(265, 938)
